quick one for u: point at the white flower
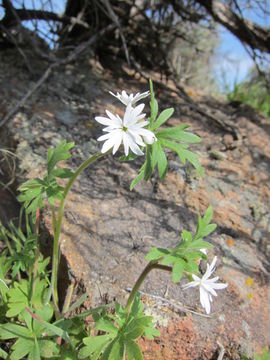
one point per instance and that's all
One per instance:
(128, 131)
(126, 99)
(207, 286)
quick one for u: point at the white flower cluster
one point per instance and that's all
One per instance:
(207, 286)
(129, 131)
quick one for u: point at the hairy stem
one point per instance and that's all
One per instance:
(55, 261)
(150, 266)
(35, 269)
(53, 217)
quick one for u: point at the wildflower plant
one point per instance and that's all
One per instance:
(29, 292)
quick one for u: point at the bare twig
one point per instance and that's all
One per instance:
(222, 351)
(72, 56)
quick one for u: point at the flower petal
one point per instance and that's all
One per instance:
(209, 289)
(204, 298)
(190, 284)
(118, 140)
(103, 120)
(107, 145)
(219, 286)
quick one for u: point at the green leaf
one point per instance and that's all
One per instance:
(46, 314)
(18, 298)
(77, 303)
(186, 235)
(200, 244)
(51, 327)
(163, 117)
(94, 346)
(162, 163)
(35, 353)
(148, 168)
(183, 154)
(21, 348)
(61, 152)
(11, 331)
(131, 156)
(107, 352)
(133, 351)
(194, 160)
(117, 351)
(208, 215)
(31, 185)
(138, 178)
(137, 326)
(31, 194)
(178, 270)
(170, 259)
(153, 104)
(156, 254)
(48, 348)
(203, 227)
(62, 173)
(106, 325)
(35, 204)
(3, 354)
(191, 266)
(150, 332)
(178, 133)
(154, 156)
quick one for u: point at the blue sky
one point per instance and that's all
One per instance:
(231, 61)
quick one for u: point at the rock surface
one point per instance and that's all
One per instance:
(108, 230)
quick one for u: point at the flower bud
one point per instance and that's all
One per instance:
(149, 139)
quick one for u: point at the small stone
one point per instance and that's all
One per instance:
(217, 155)
(66, 117)
(228, 141)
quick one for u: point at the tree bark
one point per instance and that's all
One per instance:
(246, 31)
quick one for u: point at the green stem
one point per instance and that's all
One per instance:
(68, 299)
(55, 261)
(35, 269)
(152, 265)
(53, 217)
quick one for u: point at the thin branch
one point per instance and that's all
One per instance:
(117, 23)
(29, 14)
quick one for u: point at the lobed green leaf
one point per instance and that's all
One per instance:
(162, 118)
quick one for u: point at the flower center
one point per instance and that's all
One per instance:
(124, 129)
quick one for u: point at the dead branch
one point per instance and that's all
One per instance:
(117, 23)
(71, 57)
(29, 14)
(248, 32)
